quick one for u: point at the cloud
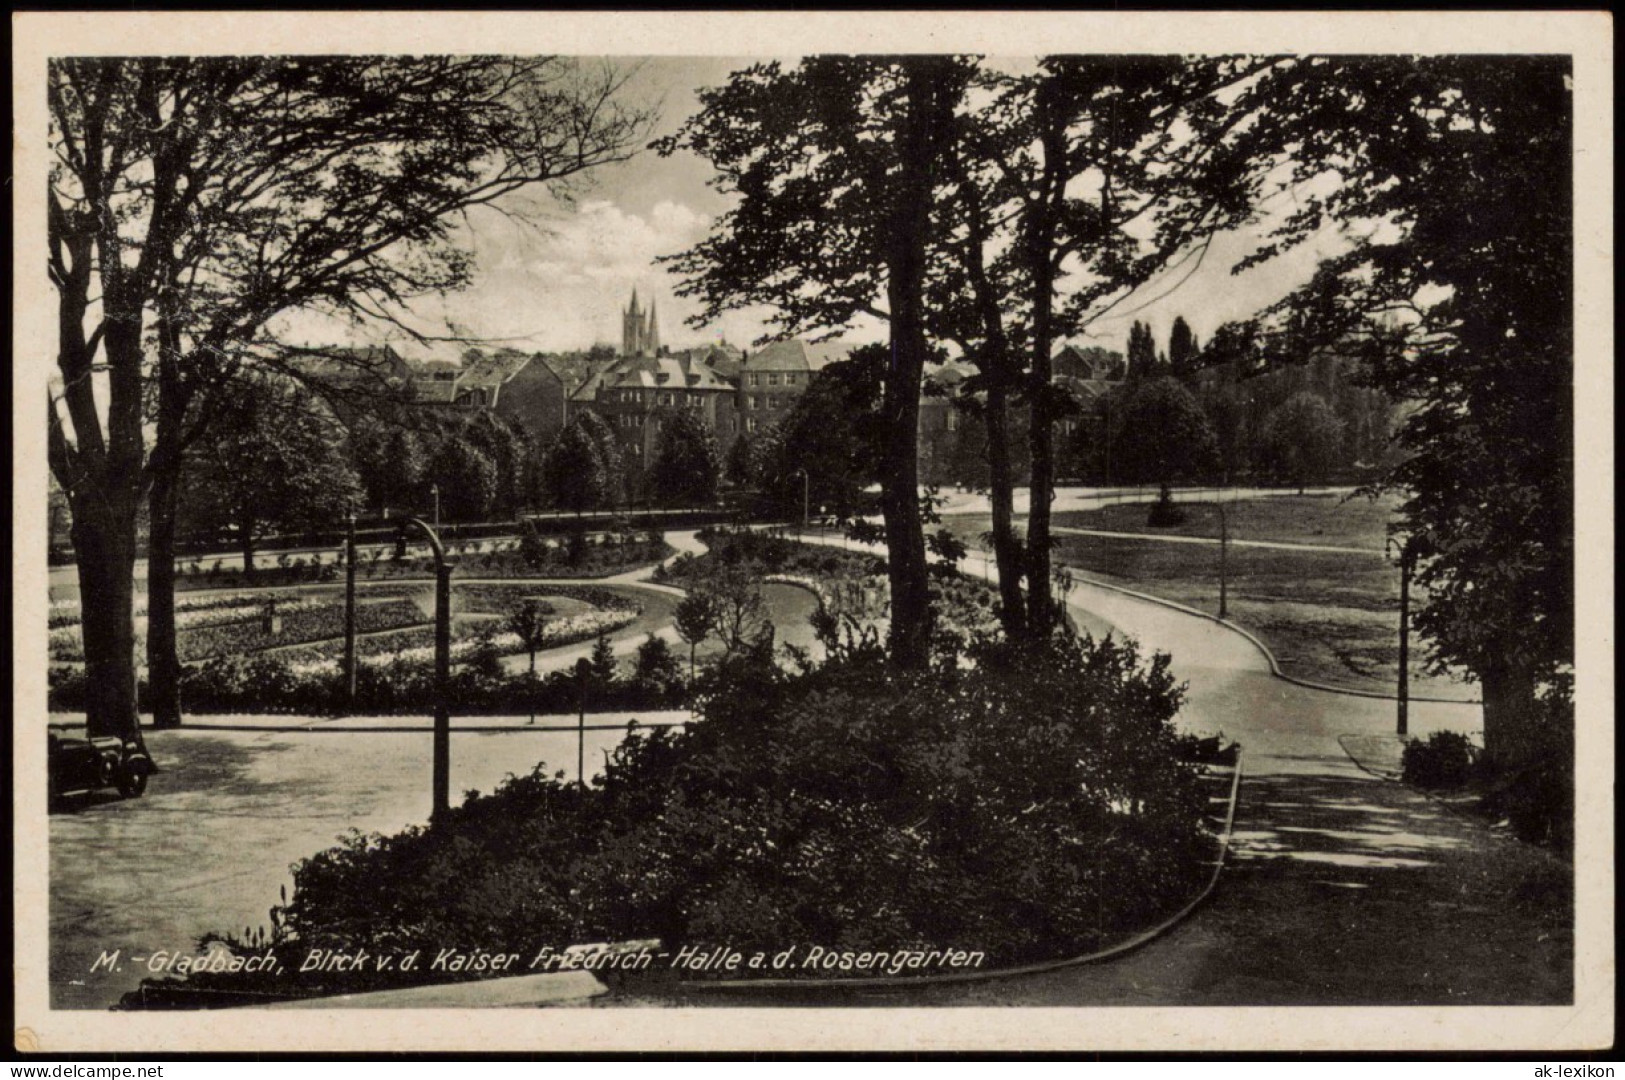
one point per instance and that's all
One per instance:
(559, 282)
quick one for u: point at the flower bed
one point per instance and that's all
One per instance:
(416, 646)
(501, 599)
(196, 611)
(241, 628)
(766, 555)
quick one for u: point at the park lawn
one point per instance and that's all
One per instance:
(1285, 519)
(1328, 617)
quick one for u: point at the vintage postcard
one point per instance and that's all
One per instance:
(752, 531)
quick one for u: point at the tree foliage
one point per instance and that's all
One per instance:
(1183, 350)
(687, 465)
(1142, 352)
(274, 462)
(737, 468)
(465, 476)
(573, 473)
(1301, 439)
(832, 434)
(192, 201)
(1159, 434)
(392, 463)
(835, 164)
(1464, 303)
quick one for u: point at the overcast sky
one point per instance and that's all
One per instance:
(562, 286)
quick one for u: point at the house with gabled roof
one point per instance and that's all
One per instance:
(771, 379)
(636, 395)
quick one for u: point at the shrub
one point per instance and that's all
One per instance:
(1445, 760)
(1165, 513)
(1031, 805)
(1538, 799)
(533, 550)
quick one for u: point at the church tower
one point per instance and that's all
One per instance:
(640, 330)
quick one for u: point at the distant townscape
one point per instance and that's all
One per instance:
(738, 394)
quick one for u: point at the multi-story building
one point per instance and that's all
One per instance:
(1089, 374)
(637, 394)
(531, 390)
(770, 380)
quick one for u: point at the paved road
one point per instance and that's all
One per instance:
(1170, 539)
(65, 579)
(211, 844)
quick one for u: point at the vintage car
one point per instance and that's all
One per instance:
(92, 764)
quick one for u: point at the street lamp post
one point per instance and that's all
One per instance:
(1407, 561)
(806, 488)
(1224, 576)
(442, 667)
(583, 673)
(349, 607)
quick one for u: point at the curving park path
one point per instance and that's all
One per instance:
(1343, 889)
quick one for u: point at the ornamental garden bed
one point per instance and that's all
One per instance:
(469, 638)
(396, 661)
(238, 625)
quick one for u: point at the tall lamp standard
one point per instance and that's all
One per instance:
(1407, 562)
(1224, 576)
(349, 606)
(583, 676)
(442, 663)
(806, 489)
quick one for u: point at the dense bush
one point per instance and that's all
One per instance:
(1445, 760)
(1538, 799)
(1165, 513)
(1027, 805)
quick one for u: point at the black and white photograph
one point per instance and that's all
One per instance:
(737, 532)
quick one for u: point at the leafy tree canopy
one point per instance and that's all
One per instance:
(687, 464)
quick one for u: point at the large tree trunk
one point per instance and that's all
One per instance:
(925, 131)
(1041, 610)
(163, 659)
(900, 505)
(1509, 718)
(1041, 614)
(104, 548)
(245, 544)
(1001, 494)
(997, 362)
